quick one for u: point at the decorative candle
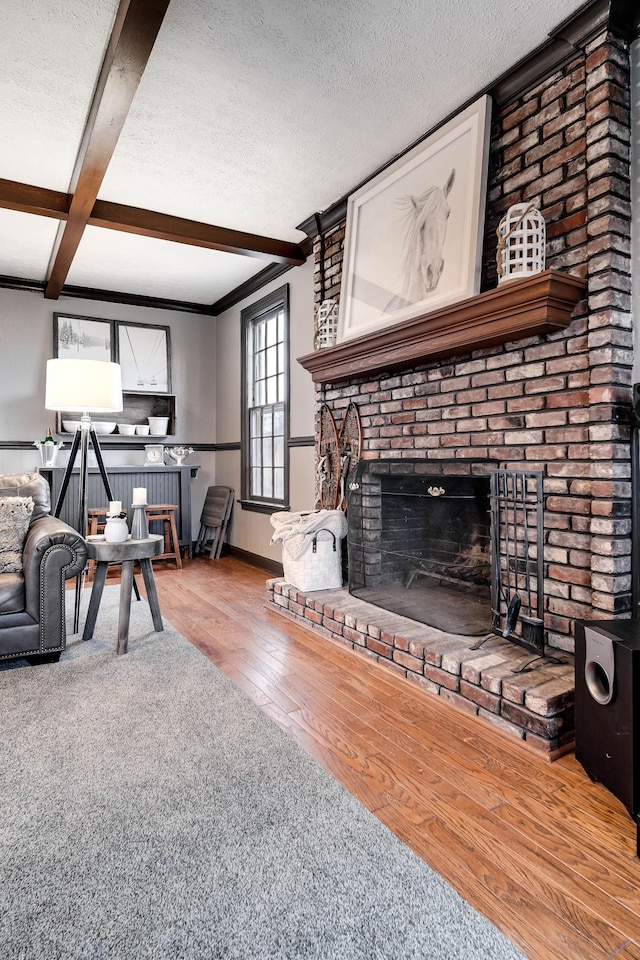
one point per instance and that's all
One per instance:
(139, 495)
(115, 508)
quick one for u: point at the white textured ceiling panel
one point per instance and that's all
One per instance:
(25, 244)
(50, 56)
(140, 265)
(254, 115)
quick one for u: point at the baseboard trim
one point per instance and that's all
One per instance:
(262, 563)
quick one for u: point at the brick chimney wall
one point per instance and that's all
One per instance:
(559, 403)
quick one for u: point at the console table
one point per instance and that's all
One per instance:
(164, 484)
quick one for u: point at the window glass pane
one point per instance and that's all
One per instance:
(278, 421)
(272, 330)
(261, 393)
(255, 423)
(267, 450)
(281, 357)
(272, 361)
(260, 329)
(259, 366)
(281, 387)
(278, 483)
(272, 390)
(256, 453)
(256, 484)
(267, 422)
(267, 487)
(278, 451)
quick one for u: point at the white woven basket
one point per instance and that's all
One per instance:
(319, 567)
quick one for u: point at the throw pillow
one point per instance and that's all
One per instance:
(15, 517)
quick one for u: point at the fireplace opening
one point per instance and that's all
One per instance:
(420, 544)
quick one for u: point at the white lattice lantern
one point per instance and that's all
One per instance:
(521, 243)
(326, 333)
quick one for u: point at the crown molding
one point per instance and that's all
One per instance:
(107, 296)
(257, 282)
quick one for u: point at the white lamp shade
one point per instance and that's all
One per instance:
(83, 386)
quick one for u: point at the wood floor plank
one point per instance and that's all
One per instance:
(538, 871)
(428, 746)
(549, 933)
(370, 773)
(629, 952)
(265, 683)
(415, 757)
(586, 881)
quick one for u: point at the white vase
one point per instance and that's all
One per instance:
(116, 530)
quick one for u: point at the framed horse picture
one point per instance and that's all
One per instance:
(414, 232)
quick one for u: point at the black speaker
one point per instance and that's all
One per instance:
(607, 707)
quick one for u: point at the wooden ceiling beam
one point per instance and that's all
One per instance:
(161, 226)
(135, 31)
(37, 200)
(147, 223)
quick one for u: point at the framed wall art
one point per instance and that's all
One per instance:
(144, 353)
(414, 232)
(83, 338)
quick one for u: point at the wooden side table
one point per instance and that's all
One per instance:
(125, 553)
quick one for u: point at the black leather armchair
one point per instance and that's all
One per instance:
(32, 603)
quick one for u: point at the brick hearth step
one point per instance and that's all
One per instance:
(535, 705)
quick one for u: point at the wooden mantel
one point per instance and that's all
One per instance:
(516, 309)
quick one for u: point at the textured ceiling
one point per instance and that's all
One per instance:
(50, 55)
(251, 115)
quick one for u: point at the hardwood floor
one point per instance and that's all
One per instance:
(541, 851)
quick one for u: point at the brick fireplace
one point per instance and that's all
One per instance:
(551, 397)
(557, 402)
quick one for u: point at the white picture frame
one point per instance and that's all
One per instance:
(414, 233)
(144, 354)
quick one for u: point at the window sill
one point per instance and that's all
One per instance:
(259, 507)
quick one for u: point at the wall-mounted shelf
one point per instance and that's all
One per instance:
(514, 310)
(137, 407)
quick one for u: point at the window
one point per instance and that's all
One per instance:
(265, 380)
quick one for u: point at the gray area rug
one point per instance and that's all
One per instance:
(149, 810)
